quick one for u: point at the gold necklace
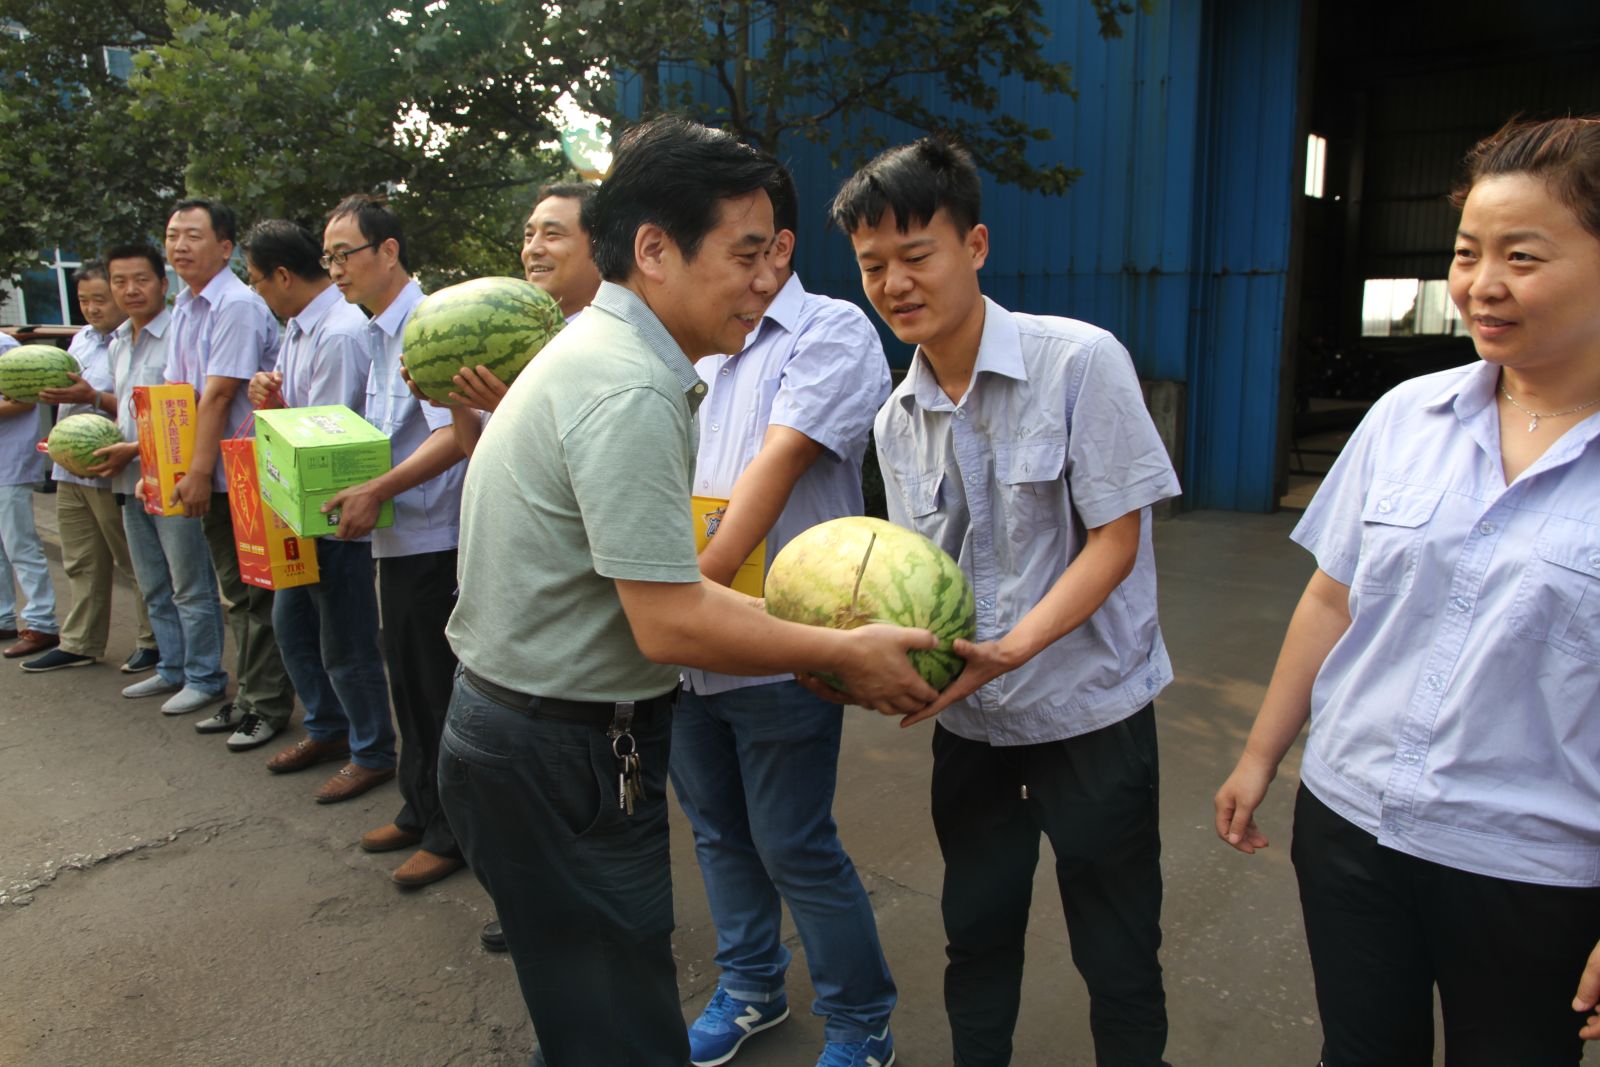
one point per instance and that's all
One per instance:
(1534, 416)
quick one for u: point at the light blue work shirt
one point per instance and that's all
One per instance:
(7, 341)
(325, 354)
(816, 365)
(20, 459)
(135, 363)
(224, 331)
(427, 517)
(92, 350)
(1051, 439)
(1458, 718)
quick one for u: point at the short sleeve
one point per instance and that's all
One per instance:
(630, 462)
(1330, 529)
(833, 385)
(1116, 462)
(243, 340)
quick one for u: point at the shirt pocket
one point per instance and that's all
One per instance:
(921, 496)
(1558, 602)
(1394, 522)
(1033, 496)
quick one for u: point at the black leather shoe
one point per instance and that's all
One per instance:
(492, 937)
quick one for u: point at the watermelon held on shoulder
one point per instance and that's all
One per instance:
(73, 441)
(26, 369)
(857, 570)
(498, 323)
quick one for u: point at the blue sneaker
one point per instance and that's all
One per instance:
(715, 1037)
(876, 1051)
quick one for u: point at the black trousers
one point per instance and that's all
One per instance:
(1384, 928)
(416, 595)
(1096, 798)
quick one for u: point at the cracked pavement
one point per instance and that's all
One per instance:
(164, 902)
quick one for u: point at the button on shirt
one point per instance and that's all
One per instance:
(1051, 438)
(1458, 718)
(223, 331)
(816, 365)
(92, 350)
(427, 517)
(135, 363)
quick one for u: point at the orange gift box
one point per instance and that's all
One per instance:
(166, 419)
(270, 555)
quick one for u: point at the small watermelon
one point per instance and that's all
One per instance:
(73, 441)
(499, 323)
(26, 369)
(848, 572)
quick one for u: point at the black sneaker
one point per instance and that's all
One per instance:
(492, 937)
(56, 659)
(141, 660)
(226, 720)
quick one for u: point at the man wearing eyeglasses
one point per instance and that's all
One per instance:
(364, 251)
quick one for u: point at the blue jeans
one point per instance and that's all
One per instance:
(583, 891)
(328, 636)
(755, 769)
(22, 559)
(173, 563)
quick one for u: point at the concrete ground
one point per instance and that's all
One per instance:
(165, 902)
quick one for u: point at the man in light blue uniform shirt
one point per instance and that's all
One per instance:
(328, 630)
(222, 334)
(22, 560)
(168, 551)
(783, 429)
(1021, 445)
(365, 252)
(88, 512)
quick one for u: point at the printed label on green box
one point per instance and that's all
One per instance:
(318, 450)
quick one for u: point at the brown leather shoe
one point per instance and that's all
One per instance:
(29, 642)
(388, 838)
(424, 868)
(307, 753)
(351, 781)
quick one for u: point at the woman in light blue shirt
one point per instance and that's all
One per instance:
(1447, 654)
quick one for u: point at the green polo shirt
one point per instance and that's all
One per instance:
(581, 477)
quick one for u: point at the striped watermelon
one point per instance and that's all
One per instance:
(26, 369)
(848, 572)
(73, 441)
(499, 323)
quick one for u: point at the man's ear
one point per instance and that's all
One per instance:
(651, 248)
(783, 249)
(977, 243)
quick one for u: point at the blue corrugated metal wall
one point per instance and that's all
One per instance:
(1176, 238)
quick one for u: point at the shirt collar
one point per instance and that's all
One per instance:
(394, 316)
(155, 327)
(999, 352)
(625, 304)
(318, 309)
(213, 290)
(1468, 393)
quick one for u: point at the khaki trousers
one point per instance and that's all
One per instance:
(92, 543)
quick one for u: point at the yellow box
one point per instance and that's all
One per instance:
(166, 418)
(751, 578)
(270, 555)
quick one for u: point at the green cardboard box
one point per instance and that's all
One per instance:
(306, 456)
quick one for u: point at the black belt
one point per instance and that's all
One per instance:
(588, 712)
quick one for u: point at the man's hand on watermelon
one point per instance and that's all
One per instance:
(79, 392)
(986, 661)
(114, 459)
(878, 673)
(264, 389)
(477, 387)
(1588, 997)
(405, 376)
(358, 510)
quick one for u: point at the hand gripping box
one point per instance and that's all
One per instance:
(166, 418)
(305, 456)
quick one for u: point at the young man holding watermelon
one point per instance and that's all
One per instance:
(88, 511)
(33, 628)
(782, 431)
(328, 630)
(1021, 445)
(364, 250)
(580, 588)
(222, 334)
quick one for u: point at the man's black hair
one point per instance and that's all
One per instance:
(672, 173)
(375, 221)
(137, 250)
(224, 223)
(582, 192)
(276, 243)
(91, 270)
(785, 200)
(914, 181)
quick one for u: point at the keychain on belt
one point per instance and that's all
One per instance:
(630, 782)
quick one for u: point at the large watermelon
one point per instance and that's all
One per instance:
(74, 439)
(26, 369)
(848, 572)
(499, 323)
